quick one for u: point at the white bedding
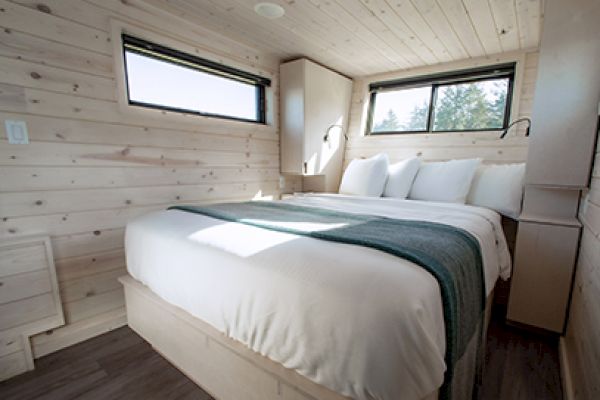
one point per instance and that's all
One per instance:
(361, 322)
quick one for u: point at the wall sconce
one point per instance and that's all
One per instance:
(524, 119)
(326, 137)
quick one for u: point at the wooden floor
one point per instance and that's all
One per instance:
(120, 365)
(520, 365)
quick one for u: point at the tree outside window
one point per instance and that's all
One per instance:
(461, 106)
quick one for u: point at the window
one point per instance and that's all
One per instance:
(163, 78)
(474, 100)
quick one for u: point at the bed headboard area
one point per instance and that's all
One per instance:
(451, 145)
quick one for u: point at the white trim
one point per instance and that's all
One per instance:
(518, 57)
(118, 26)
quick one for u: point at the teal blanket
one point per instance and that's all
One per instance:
(450, 254)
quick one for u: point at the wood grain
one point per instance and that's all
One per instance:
(29, 300)
(445, 146)
(28, 284)
(10, 343)
(119, 364)
(583, 329)
(363, 37)
(116, 365)
(91, 166)
(51, 27)
(519, 365)
(24, 46)
(22, 259)
(27, 310)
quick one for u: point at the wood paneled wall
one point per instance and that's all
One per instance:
(582, 343)
(90, 167)
(445, 146)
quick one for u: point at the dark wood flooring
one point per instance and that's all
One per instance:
(519, 364)
(120, 365)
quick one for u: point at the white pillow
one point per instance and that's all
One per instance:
(499, 187)
(400, 178)
(365, 177)
(447, 181)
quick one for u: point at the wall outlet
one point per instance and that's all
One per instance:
(281, 181)
(16, 132)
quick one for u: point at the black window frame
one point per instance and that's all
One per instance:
(492, 72)
(176, 57)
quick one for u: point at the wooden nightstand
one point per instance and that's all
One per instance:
(545, 258)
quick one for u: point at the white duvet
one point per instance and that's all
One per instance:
(361, 322)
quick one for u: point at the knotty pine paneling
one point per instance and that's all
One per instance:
(22, 46)
(23, 204)
(27, 100)
(40, 21)
(363, 37)
(583, 328)
(90, 167)
(445, 146)
(36, 178)
(62, 154)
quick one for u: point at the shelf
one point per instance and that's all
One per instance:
(542, 219)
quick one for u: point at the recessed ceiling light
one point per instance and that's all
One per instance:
(269, 10)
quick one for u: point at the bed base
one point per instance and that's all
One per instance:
(223, 367)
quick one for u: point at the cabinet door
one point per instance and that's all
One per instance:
(327, 101)
(565, 107)
(541, 283)
(292, 116)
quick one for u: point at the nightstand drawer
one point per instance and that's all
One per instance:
(22, 286)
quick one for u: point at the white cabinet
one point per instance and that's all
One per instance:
(561, 147)
(567, 91)
(314, 116)
(541, 283)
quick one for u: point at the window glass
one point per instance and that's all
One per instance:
(160, 77)
(471, 106)
(401, 110)
(462, 101)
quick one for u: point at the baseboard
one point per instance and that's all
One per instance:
(565, 371)
(68, 335)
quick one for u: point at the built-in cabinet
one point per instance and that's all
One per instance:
(542, 282)
(315, 102)
(561, 149)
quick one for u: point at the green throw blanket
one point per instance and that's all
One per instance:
(450, 254)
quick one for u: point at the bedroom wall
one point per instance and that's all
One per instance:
(90, 167)
(581, 343)
(444, 146)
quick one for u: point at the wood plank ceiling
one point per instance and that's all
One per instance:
(364, 37)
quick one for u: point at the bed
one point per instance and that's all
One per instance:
(252, 313)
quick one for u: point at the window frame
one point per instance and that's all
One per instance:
(159, 52)
(506, 70)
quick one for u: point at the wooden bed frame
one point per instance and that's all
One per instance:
(223, 367)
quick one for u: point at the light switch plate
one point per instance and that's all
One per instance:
(16, 132)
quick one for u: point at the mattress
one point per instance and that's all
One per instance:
(358, 321)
